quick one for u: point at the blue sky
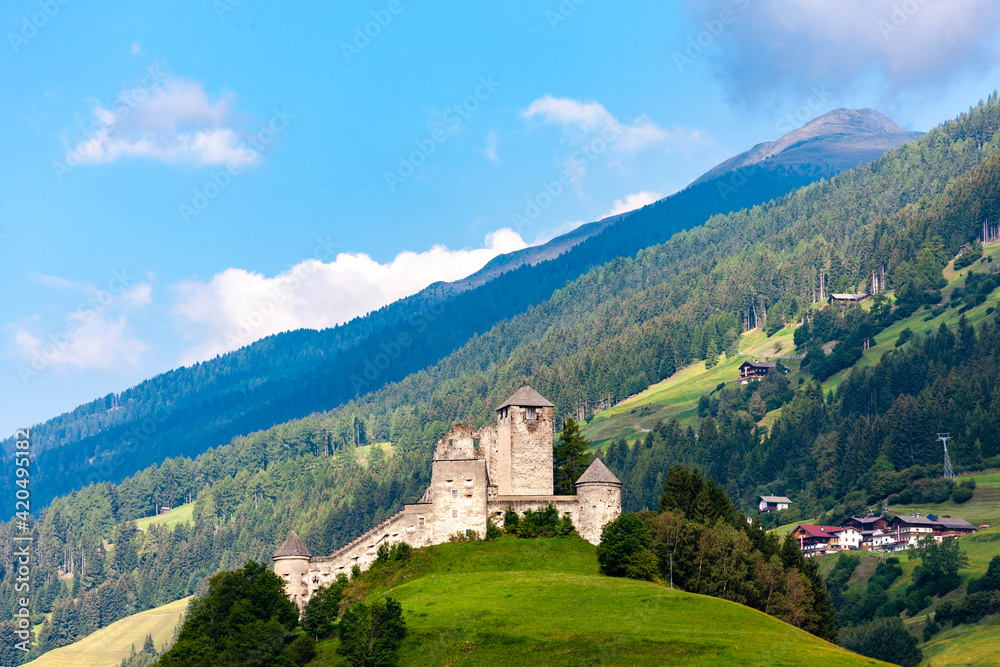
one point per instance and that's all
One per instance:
(179, 180)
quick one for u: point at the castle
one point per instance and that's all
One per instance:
(475, 477)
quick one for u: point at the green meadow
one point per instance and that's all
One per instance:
(542, 602)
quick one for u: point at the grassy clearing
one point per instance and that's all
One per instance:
(677, 396)
(520, 602)
(180, 514)
(109, 646)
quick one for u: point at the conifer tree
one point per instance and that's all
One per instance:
(570, 457)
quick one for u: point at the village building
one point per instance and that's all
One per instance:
(817, 540)
(755, 370)
(849, 537)
(773, 503)
(867, 523)
(848, 299)
(476, 476)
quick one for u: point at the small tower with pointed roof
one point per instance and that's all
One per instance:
(522, 452)
(291, 563)
(599, 494)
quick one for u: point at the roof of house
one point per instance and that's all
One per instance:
(292, 546)
(850, 297)
(961, 524)
(914, 520)
(775, 499)
(820, 531)
(866, 520)
(526, 397)
(759, 364)
(598, 473)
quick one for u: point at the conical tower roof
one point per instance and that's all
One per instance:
(598, 473)
(526, 397)
(292, 547)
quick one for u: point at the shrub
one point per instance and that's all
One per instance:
(961, 494)
(370, 633)
(622, 543)
(322, 610)
(883, 639)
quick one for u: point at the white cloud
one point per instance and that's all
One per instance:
(237, 307)
(591, 118)
(629, 203)
(172, 120)
(492, 143)
(90, 340)
(95, 335)
(135, 49)
(789, 45)
(634, 201)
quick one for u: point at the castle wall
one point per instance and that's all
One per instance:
(530, 452)
(497, 507)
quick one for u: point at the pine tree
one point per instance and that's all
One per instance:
(570, 457)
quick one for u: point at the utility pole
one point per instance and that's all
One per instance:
(949, 473)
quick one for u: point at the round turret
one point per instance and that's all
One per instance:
(599, 496)
(291, 563)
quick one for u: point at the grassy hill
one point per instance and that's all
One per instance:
(518, 602)
(109, 646)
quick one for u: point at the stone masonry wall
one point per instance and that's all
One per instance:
(530, 452)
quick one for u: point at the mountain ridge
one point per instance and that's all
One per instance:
(846, 137)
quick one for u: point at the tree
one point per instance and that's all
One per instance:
(370, 633)
(322, 610)
(244, 619)
(570, 457)
(883, 639)
(624, 548)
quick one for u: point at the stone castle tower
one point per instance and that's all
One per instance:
(476, 476)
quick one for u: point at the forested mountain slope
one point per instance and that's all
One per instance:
(604, 336)
(289, 375)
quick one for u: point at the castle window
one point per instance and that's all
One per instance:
(530, 414)
(420, 522)
(454, 514)
(454, 493)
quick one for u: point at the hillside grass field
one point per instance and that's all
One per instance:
(677, 396)
(542, 602)
(109, 646)
(180, 514)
